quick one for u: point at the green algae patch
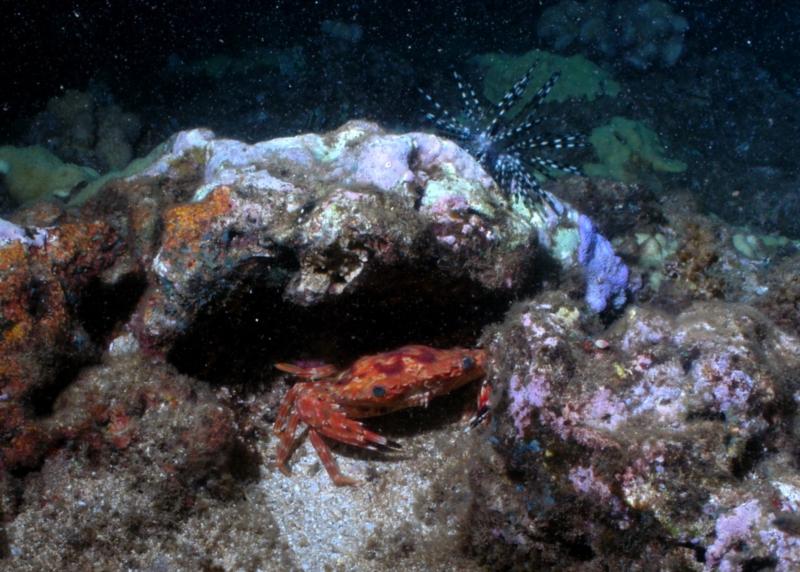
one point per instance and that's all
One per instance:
(760, 246)
(580, 78)
(134, 167)
(33, 173)
(626, 147)
(565, 243)
(654, 249)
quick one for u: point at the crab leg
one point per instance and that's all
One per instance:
(340, 428)
(328, 461)
(285, 409)
(285, 428)
(288, 443)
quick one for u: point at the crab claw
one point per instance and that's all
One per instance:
(483, 411)
(480, 416)
(390, 446)
(310, 371)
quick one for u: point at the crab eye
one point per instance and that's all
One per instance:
(467, 363)
(378, 391)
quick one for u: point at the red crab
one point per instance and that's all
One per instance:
(331, 400)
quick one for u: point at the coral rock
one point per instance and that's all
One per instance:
(651, 433)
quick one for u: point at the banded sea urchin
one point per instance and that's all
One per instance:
(508, 148)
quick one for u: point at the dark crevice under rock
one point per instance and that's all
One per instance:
(4, 550)
(42, 398)
(237, 338)
(103, 306)
(100, 308)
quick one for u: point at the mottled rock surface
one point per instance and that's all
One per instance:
(42, 338)
(322, 217)
(140, 327)
(666, 436)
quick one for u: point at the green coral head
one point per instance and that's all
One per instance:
(580, 78)
(626, 147)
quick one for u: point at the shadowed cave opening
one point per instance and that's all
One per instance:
(238, 337)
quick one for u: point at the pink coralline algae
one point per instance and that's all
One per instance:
(605, 410)
(730, 531)
(525, 398)
(10, 232)
(721, 384)
(586, 482)
(383, 164)
(785, 546)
